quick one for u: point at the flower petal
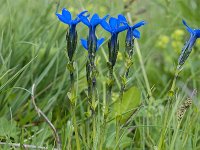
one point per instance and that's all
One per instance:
(66, 14)
(113, 23)
(122, 28)
(139, 24)
(187, 27)
(136, 33)
(105, 17)
(76, 20)
(106, 26)
(122, 19)
(63, 19)
(99, 42)
(85, 20)
(94, 20)
(84, 43)
(82, 13)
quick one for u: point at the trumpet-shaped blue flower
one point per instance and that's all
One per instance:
(71, 36)
(114, 27)
(92, 44)
(66, 17)
(132, 30)
(194, 35)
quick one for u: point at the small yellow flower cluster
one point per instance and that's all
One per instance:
(163, 40)
(175, 40)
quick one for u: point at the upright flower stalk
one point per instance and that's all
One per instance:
(187, 49)
(114, 27)
(71, 38)
(92, 44)
(131, 34)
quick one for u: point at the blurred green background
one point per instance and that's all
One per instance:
(32, 50)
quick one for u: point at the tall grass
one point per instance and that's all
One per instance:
(33, 51)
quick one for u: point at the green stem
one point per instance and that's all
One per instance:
(175, 136)
(75, 128)
(117, 132)
(73, 103)
(143, 70)
(168, 109)
(110, 84)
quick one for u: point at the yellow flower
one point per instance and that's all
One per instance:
(177, 34)
(163, 40)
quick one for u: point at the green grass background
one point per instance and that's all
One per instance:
(32, 51)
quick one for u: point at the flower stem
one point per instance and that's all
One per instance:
(75, 128)
(73, 102)
(168, 108)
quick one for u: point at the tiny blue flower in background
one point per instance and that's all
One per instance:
(71, 36)
(194, 35)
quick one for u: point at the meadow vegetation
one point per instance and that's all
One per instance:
(149, 116)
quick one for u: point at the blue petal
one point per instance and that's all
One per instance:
(122, 19)
(136, 33)
(66, 14)
(188, 28)
(94, 20)
(122, 28)
(99, 42)
(113, 23)
(197, 32)
(139, 24)
(63, 19)
(76, 21)
(85, 20)
(84, 43)
(82, 13)
(106, 26)
(105, 17)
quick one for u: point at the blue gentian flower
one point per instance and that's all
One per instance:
(194, 35)
(131, 34)
(92, 44)
(114, 27)
(66, 17)
(86, 46)
(71, 36)
(132, 31)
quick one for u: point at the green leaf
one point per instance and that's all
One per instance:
(8, 129)
(131, 100)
